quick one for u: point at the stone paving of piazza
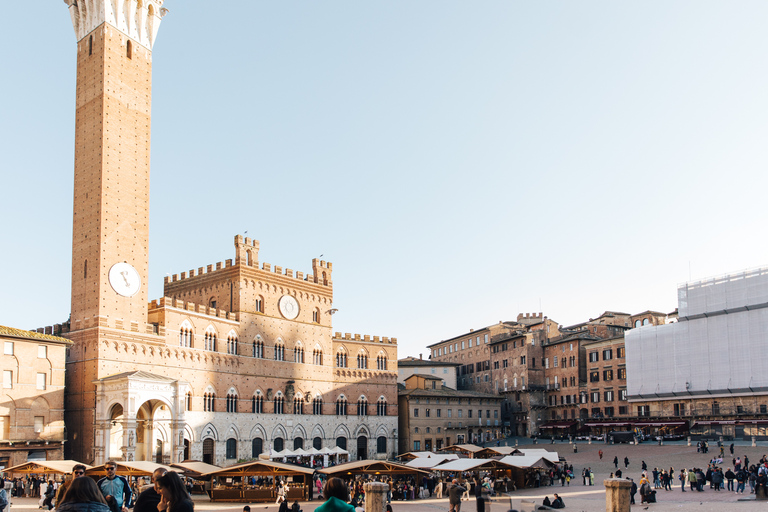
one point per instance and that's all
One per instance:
(577, 497)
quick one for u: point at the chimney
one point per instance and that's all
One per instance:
(421, 357)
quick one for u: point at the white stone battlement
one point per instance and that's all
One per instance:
(138, 19)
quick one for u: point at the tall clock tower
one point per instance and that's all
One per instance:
(112, 144)
(110, 234)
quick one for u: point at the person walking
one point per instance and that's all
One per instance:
(731, 449)
(626, 462)
(455, 491)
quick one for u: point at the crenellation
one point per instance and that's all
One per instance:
(210, 268)
(267, 267)
(200, 270)
(228, 263)
(183, 276)
(175, 277)
(299, 275)
(289, 272)
(278, 270)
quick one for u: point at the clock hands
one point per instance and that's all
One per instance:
(124, 273)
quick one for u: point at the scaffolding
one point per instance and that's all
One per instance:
(719, 346)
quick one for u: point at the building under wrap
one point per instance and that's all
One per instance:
(718, 348)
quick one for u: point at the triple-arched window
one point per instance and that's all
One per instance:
(341, 406)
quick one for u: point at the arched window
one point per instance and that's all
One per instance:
(85, 263)
(258, 348)
(209, 402)
(279, 402)
(90, 46)
(341, 406)
(317, 357)
(259, 304)
(362, 360)
(298, 405)
(637, 323)
(189, 401)
(362, 406)
(341, 359)
(210, 341)
(231, 403)
(279, 351)
(129, 50)
(232, 344)
(317, 405)
(341, 442)
(381, 444)
(231, 448)
(257, 446)
(278, 444)
(298, 354)
(381, 362)
(257, 404)
(316, 316)
(381, 407)
(298, 443)
(646, 321)
(317, 443)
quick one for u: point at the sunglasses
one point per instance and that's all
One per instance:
(111, 468)
(79, 472)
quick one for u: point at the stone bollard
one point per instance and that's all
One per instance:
(689, 440)
(754, 441)
(375, 496)
(616, 495)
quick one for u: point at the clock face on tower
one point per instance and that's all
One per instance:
(288, 306)
(125, 279)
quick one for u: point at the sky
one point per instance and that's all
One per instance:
(457, 162)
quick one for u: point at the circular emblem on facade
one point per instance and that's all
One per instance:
(125, 279)
(288, 306)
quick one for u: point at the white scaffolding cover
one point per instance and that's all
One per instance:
(722, 352)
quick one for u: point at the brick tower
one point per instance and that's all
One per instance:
(111, 195)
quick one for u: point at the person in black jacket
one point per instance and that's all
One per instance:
(149, 498)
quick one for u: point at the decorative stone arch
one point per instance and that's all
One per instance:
(189, 434)
(209, 389)
(299, 431)
(362, 397)
(341, 431)
(362, 430)
(279, 431)
(232, 391)
(258, 431)
(381, 430)
(233, 431)
(209, 431)
(318, 431)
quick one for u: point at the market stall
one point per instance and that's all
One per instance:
(42, 467)
(235, 483)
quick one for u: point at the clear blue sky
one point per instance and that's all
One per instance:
(458, 162)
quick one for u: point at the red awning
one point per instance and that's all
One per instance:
(558, 424)
(715, 422)
(607, 424)
(660, 423)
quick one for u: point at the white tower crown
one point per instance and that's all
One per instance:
(138, 19)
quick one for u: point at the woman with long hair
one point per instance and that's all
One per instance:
(82, 496)
(173, 494)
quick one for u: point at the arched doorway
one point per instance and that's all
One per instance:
(208, 451)
(186, 449)
(362, 448)
(153, 434)
(116, 432)
(278, 444)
